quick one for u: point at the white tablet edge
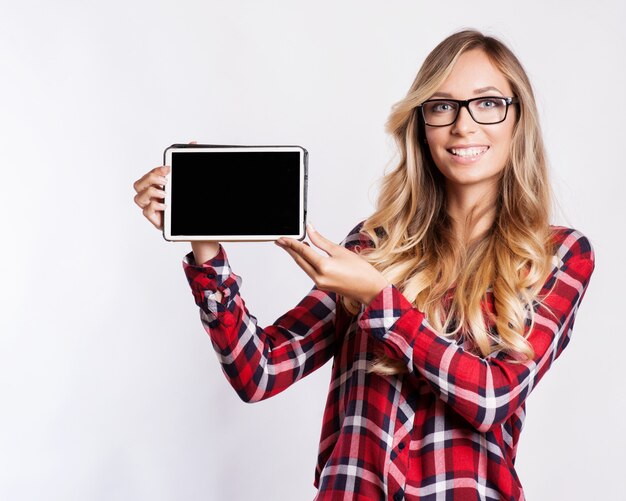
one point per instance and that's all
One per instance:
(235, 238)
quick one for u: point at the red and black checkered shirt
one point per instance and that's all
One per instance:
(446, 429)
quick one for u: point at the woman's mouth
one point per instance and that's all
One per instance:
(467, 155)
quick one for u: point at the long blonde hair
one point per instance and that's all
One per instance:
(413, 242)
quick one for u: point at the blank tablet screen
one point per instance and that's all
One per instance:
(235, 193)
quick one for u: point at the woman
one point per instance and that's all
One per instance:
(442, 310)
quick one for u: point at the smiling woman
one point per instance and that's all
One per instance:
(442, 311)
(476, 132)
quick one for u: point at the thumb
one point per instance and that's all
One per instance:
(319, 240)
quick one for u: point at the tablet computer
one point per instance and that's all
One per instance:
(235, 193)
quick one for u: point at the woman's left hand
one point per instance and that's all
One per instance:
(342, 271)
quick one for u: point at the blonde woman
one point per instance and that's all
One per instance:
(442, 311)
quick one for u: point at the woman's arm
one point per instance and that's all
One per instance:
(261, 362)
(485, 391)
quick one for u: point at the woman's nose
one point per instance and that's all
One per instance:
(464, 121)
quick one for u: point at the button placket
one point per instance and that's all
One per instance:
(400, 452)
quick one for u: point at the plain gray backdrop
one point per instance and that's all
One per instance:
(109, 385)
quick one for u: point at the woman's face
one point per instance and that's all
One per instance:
(472, 72)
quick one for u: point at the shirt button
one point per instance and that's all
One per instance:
(398, 496)
(401, 445)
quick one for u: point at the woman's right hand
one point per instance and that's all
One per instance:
(149, 197)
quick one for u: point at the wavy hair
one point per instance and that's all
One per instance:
(415, 247)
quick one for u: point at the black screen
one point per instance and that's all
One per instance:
(235, 193)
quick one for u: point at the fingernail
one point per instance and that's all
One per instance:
(310, 227)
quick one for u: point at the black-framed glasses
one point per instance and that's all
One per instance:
(483, 110)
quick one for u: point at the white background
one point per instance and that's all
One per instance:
(110, 388)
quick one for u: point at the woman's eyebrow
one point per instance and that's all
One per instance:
(477, 91)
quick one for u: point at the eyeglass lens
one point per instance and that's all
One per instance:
(442, 112)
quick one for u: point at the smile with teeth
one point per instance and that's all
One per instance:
(468, 152)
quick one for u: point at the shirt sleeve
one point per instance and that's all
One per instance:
(485, 391)
(261, 362)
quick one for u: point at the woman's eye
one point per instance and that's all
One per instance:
(489, 103)
(442, 107)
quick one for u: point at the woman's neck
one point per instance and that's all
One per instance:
(472, 210)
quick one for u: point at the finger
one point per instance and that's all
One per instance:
(156, 176)
(305, 251)
(151, 192)
(300, 261)
(193, 142)
(321, 242)
(152, 208)
(154, 213)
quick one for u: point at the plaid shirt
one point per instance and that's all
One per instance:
(446, 430)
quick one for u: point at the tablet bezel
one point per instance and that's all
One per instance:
(198, 148)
